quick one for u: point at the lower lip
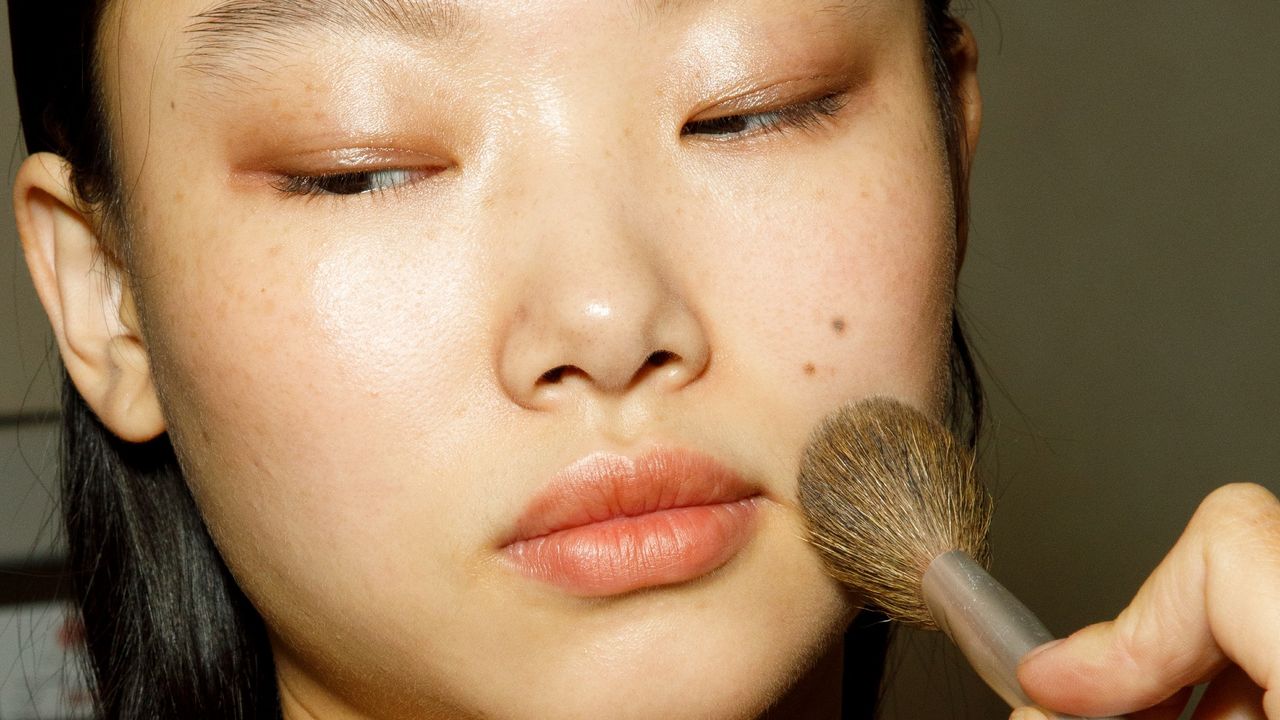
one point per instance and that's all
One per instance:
(629, 553)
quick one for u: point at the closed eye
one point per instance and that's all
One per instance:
(355, 182)
(807, 115)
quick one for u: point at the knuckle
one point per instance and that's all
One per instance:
(1238, 503)
(1132, 645)
(1238, 530)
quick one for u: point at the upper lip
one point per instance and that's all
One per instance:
(604, 486)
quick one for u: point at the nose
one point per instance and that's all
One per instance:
(599, 311)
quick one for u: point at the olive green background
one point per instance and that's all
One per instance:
(1121, 286)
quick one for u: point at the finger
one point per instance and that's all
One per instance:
(1170, 709)
(1231, 696)
(1212, 600)
(1157, 713)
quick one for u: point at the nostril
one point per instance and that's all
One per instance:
(660, 358)
(554, 375)
(655, 361)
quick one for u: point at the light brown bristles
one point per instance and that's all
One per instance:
(885, 490)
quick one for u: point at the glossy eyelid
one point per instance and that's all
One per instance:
(752, 98)
(803, 114)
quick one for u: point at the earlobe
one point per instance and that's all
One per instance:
(88, 301)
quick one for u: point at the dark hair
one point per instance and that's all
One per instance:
(169, 634)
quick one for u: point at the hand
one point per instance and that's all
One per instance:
(1209, 612)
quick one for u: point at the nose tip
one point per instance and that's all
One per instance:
(602, 304)
(603, 348)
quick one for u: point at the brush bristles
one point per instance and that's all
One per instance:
(885, 490)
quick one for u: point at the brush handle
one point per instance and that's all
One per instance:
(989, 625)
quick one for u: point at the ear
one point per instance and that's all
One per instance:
(87, 298)
(964, 78)
(963, 62)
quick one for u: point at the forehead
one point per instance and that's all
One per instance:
(208, 32)
(158, 53)
(153, 39)
(225, 38)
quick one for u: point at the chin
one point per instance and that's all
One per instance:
(694, 683)
(728, 646)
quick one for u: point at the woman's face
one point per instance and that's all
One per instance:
(425, 283)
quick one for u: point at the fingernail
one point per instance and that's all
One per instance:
(1042, 649)
(1027, 713)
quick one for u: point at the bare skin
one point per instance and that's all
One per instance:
(384, 279)
(360, 385)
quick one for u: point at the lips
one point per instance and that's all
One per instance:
(610, 524)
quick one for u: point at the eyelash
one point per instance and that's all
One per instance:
(808, 115)
(356, 182)
(805, 116)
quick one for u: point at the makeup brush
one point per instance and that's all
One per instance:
(898, 515)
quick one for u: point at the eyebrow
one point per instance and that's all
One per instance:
(256, 29)
(253, 29)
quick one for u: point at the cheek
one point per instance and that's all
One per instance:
(302, 375)
(391, 319)
(844, 284)
(880, 307)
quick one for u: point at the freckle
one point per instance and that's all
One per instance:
(865, 194)
(172, 105)
(838, 325)
(273, 251)
(809, 369)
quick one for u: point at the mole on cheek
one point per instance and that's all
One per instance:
(838, 325)
(809, 369)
